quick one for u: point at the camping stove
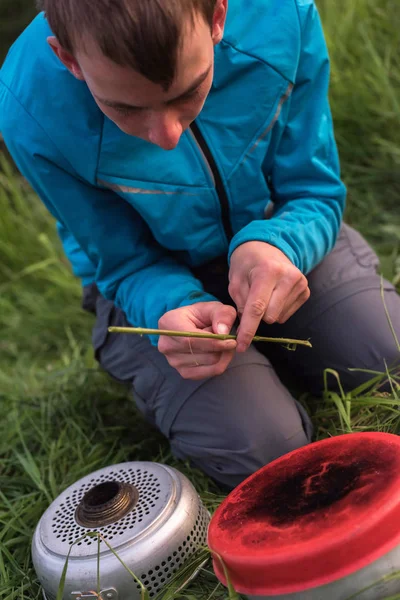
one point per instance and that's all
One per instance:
(151, 516)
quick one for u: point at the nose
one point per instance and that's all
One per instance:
(165, 130)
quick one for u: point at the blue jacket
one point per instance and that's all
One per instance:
(133, 217)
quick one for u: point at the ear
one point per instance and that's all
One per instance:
(220, 11)
(66, 58)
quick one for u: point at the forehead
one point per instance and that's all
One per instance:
(117, 83)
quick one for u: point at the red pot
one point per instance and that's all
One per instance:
(324, 515)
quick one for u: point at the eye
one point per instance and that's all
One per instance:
(126, 111)
(195, 95)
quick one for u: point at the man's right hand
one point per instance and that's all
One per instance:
(195, 358)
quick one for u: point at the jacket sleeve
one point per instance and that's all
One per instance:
(308, 194)
(132, 270)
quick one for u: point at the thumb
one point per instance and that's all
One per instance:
(223, 318)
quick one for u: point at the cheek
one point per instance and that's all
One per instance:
(190, 112)
(130, 124)
(197, 106)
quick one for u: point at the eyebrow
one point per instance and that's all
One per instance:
(197, 82)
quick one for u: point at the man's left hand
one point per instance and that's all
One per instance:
(265, 286)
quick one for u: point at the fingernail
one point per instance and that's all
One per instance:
(222, 328)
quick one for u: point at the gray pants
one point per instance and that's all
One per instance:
(233, 424)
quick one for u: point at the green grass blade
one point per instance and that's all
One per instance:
(61, 587)
(388, 317)
(336, 376)
(98, 565)
(386, 578)
(144, 593)
(232, 593)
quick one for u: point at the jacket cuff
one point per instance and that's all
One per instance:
(258, 231)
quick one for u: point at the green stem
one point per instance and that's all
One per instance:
(200, 334)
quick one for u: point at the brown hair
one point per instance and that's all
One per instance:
(143, 34)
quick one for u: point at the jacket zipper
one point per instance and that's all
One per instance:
(216, 176)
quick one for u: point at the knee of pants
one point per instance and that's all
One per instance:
(244, 448)
(351, 337)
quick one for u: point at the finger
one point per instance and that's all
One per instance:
(179, 361)
(224, 315)
(186, 345)
(204, 372)
(239, 291)
(207, 346)
(295, 307)
(290, 298)
(223, 318)
(254, 310)
(285, 295)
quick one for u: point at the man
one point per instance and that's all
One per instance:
(186, 150)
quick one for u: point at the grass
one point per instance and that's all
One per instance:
(61, 417)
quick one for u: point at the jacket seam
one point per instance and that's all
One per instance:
(282, 101)
(302, 25)
(299, 20)
(255, 57)
(17, 100)
(126, 189)
(96, 174)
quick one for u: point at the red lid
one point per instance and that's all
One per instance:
(312, 516)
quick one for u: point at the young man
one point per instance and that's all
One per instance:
(157, 134)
